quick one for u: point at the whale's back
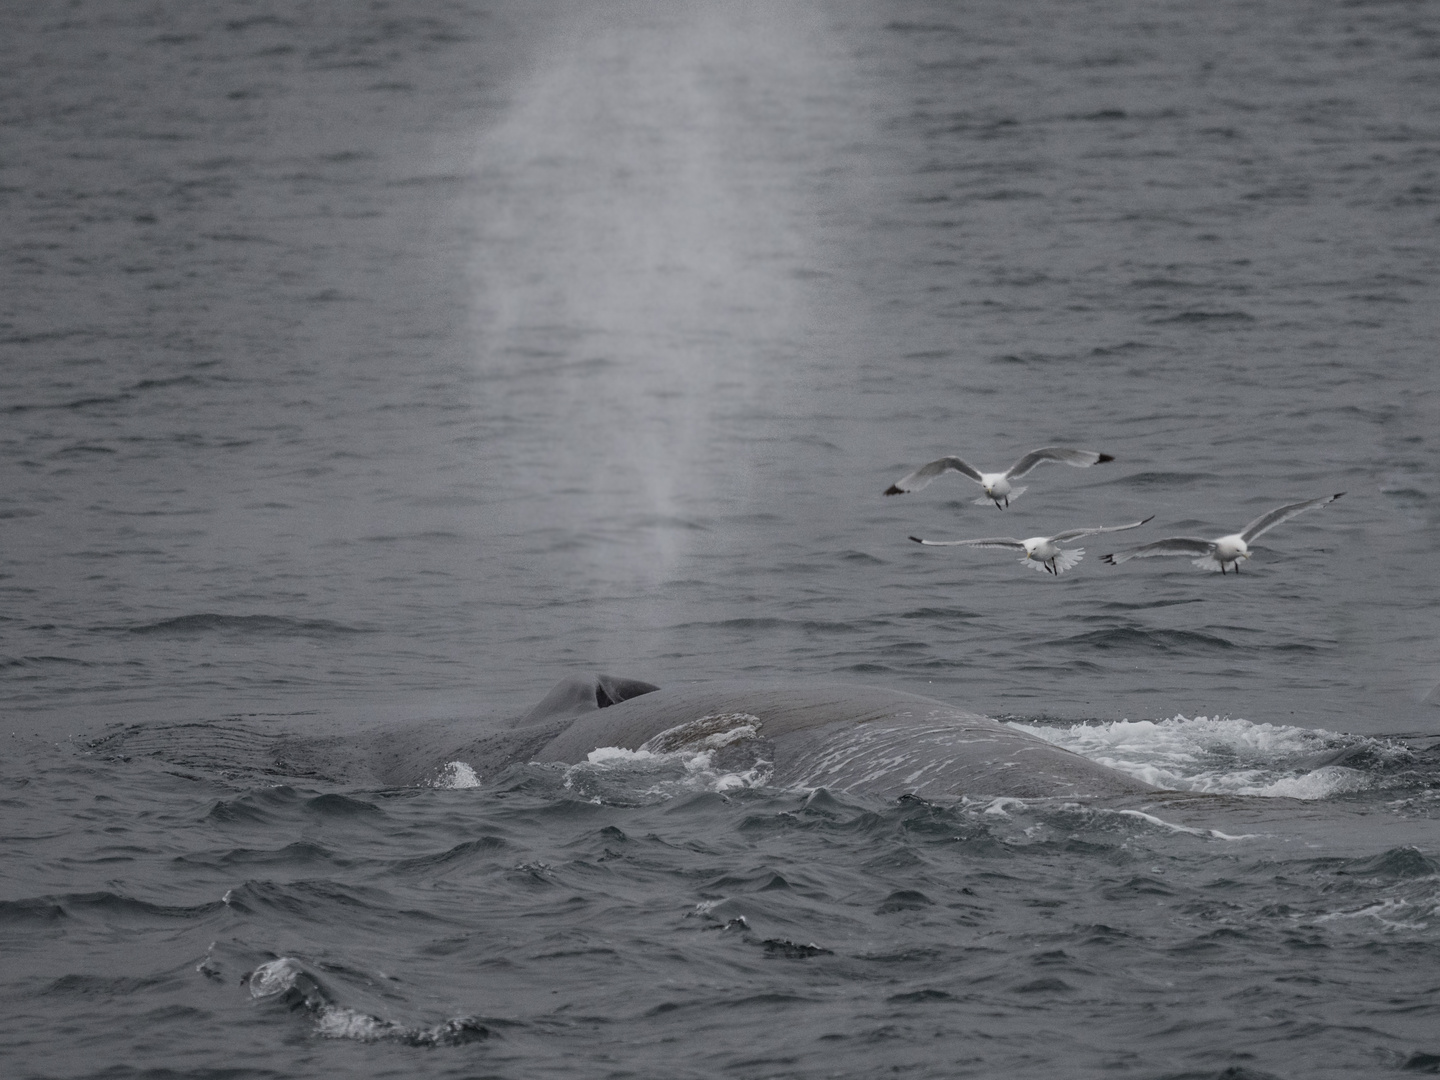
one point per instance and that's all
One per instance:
(848, 738)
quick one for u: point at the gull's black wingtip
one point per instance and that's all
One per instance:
(1104, 458)
(894, 489)
(1337, 495)
(917, 539)
(1111, 558)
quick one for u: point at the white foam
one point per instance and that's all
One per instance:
(1320, 784)
(1215, 755)
(336, 1022)
(615, 774)
(274, 977)
(618, 755)
(280, 976)
(456, 775)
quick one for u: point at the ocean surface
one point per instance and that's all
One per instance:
(372, 367)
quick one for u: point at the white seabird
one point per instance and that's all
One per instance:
(997, 484)
(1227, 550)
(1041, 552)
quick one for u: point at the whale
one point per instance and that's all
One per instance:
(854, 739)
(844, 738)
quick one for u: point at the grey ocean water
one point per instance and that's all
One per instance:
(386, 363)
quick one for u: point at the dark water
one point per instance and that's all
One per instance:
(383, 364)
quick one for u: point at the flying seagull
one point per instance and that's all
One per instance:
(1226, 551)
(997, 484)
(1041, 552)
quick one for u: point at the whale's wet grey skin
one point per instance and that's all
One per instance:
(853, 739)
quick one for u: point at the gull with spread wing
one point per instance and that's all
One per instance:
(1226, 551)
(997, 484)
(1041, 552)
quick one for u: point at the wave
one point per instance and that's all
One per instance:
(41, 909)
(28, 661)
(1206, 317)
(298, 853)
(1401, 862)
(1162, 479)
(460, 855)
(260, 807)
(335, 805)
(1132, 638)
(106, 904)
(317, 900)
(263, 625)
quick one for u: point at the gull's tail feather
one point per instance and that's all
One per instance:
(1015, 493)
(1064, 560)
(1068, 558)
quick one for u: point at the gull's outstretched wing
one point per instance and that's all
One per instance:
(1171, 545)
(989, 541)
(1081, 459)
(1075, 534)
(1265, 522)
(923, 475)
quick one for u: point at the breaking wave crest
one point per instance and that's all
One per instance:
(286, 981)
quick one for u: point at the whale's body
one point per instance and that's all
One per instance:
(847, 738)
(843, 738)
(860, 739)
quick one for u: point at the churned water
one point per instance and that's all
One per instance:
(383, 364)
